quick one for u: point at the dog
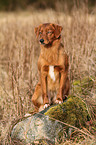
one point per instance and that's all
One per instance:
(53, 85)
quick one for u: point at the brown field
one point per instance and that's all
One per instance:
(19, 51)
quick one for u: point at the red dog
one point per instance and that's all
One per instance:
(53, 67)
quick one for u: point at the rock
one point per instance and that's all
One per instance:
(42, 128)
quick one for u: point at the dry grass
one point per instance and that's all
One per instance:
(19, 53)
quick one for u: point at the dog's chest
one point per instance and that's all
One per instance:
(50, 55)
(53, 78)
(52, 73)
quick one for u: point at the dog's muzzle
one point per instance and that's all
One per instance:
(42, 41)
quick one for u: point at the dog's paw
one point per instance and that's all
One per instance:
(58, 102)
(27, 115)
(46, 105)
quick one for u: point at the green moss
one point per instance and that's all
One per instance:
(84, 86)
(73, 112)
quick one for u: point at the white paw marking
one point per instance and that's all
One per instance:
(46, 105)
(51, 72)
(58, 102)
(27, 115)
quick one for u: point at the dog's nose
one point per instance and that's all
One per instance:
(41, 40)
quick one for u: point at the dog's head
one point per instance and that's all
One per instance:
(48, 32)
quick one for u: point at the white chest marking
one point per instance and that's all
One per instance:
(51, 72)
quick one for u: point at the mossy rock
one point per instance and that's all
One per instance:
(73, 111)
(43, 128)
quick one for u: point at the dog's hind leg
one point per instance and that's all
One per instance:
(66, 89)
(37, 96)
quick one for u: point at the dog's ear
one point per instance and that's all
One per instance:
(58, 30)
(36, 30)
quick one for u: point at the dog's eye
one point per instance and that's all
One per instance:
(49, 32)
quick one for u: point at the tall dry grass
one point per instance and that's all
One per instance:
(19, 51)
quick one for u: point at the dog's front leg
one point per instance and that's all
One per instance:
(44, 86)
(63, 78)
